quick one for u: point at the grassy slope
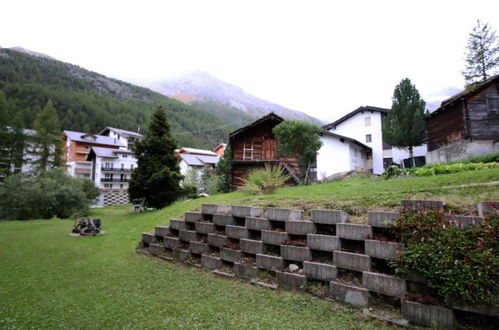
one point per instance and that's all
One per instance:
(50, 280)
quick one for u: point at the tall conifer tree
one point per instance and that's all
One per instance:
(157, 176)
(47, 139)
(4, 138)
(404, 126)
(482, 56)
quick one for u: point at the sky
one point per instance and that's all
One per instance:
(324, 58)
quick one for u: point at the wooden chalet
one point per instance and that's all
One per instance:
(466, 124)
(254, 146)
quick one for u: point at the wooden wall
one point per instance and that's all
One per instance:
(483, 124)
(445, 125)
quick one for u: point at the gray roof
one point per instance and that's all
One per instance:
(346, 138)
(96, 139)
(199, 160)
(353, 113)
(121, 132)
(105, 152)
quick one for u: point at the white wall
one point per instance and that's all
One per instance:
(355, 127)
(117, 162)
(399, 155)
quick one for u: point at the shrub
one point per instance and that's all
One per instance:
(462, 264)
(53, 193)
(189, 191)
(436, 169)
(265, 180)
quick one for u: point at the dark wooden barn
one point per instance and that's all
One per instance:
(469, 119)
(254, 146)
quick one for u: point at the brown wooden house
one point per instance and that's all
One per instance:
(254, 146)
(465, 125)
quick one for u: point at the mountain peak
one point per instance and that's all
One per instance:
(32, 53)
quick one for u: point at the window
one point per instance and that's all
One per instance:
(248, 150)
(368, 138)
(125, 156)
(108, 165)
(493, 103)
(121, 186)
(131, 166)
(368, 121)
(122, 167)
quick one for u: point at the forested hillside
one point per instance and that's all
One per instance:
(87, 101)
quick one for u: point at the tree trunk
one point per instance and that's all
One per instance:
(411, 155)
(306, 174)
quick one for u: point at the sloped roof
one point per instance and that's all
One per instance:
(196, 151)
(345, 138)
(353, 113)
(96, 139)
(464, 94)
(199, 160)
(270, 116)
(120, 132)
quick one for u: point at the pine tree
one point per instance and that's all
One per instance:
(4, 138)
(223, 170)
(404, 126)
(47, 140)
(482, 56)
(157, 176)
(17, 143)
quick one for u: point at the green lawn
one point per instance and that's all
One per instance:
(51, 280)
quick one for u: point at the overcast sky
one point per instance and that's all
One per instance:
(322, 57)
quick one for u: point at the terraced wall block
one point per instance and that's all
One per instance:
(323, 242)
(178, 224)
(181, 254)
(319, 271)
(149, 238)
(277, 214)
(384, 284)
(290, 280)
(198, 247)
(354, 231)
(295, 253)
(382, 250)
(381, 219)
(257, 223)
(236, 232)
(274, 237)
(410, 204)
(350, 294)
(246, 211)
(431, 315)
(193, 216)
(463, 221)
(223, 220)
(211, 262)
(300, 227)
(187, 235)
(245, 271)
(155, 249)
(172, 242)
(162, 231)
(215, 208)
(485, 208)
(230, 254)
(218, 241)
(268, 262)
(251, 246)
(352, 261)
(205, 227)
(329, 217)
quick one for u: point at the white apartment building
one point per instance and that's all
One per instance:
(364, 125)
(127, 138)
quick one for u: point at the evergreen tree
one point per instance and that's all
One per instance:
(17, 143)
(4, 138)
(47, 140)
(404, 126)
(223, 169)
(300, 140)
(482, 56)
(157, 176)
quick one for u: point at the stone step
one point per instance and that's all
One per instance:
(223, 220)
(319, 271)
(155, 249)
(178, 224)
(354, 231)
(329, 217)
(352, 261)
(382, 250)
(251, 246)
(246, 211)
(269, 262)
(215, 209)
(278, 214)
(257, 223)
(290, 280)
(205, 227)
(384, 284)
(149, 238)
(300, 227)
(350, 294)
(193, 216)
(162, 231)
(295, 253)
(274, 237)
(236, 232)
(323, 242)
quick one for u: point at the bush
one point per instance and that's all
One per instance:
(189, 191)
(52, 194)
(461, 264)
(489, 158)
(265, 180)
(435, 169)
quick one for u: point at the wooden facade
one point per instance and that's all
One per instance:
(472, 116)
(254, 146)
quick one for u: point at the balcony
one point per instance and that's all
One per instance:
(115, 169)
(114, 180)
